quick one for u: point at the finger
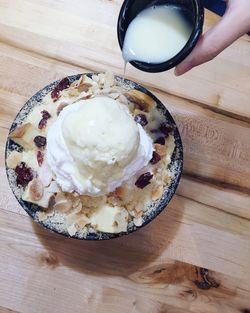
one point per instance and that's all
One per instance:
(232, 26)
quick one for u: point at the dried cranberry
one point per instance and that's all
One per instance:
(40, 141)
(155, 158)
(19, 167)
(141, 119)
(144, 180)
(55, 94)
(45, 114)
(160, 141)
(45, 117)
(39, 157)
(42, 123)
(154, 131)
(165, 129)
(63, 84)
(24, 174)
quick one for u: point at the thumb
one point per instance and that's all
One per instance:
(232, 26)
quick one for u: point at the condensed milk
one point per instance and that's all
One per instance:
(156, 35)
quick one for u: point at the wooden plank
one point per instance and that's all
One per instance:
(158, 269)
(216, 147)
(123, 275)
(187, 231)
(212, 150)
(93, 44)
(228, 200)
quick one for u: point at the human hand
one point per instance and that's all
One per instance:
(234, 24)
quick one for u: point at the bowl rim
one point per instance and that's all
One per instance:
(31, 209)
(180, 56)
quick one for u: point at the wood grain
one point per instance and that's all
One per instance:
(93, 43)
(212, 151)
(121, 275)
(161, 268)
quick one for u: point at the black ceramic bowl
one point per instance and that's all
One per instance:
(57, 226)
(193, 12)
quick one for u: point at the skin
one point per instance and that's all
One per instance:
(234, 24)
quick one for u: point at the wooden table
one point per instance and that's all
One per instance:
(159, 269)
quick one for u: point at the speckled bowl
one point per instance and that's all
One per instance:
(156, 207)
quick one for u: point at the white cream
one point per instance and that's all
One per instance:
(95, 145)
(156, 35)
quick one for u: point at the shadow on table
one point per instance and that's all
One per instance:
(122, 256)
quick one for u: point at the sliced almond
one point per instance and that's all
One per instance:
(62, 203)
(36, 189)
(30, 196)
(63, 206)
(137, 111)
(129, 206)
(161, 150)
(157, 193)
(109, 79)
(72, 230)
(87, 211)
(87, 80)
(53, 187)
(71, 219)
(77, 82)
(77, 205)
(141, 100)
(42, 216)
(82, 221)
(84, 87)
(119, 192)
(122, 99)
(101, 80)
(20, 131)
(167, 179)
(14, 159)
(78, 219)
(95, 78)
(30, 159)
(78, 208)
(76, 202)
(137, 212)
(73, 92)
(24, 135)
(60, 196)
(138, 221)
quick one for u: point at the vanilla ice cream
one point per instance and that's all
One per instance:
(95, 145)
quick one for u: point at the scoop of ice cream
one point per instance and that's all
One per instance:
(95, 145)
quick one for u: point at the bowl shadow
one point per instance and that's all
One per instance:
(118, 257)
